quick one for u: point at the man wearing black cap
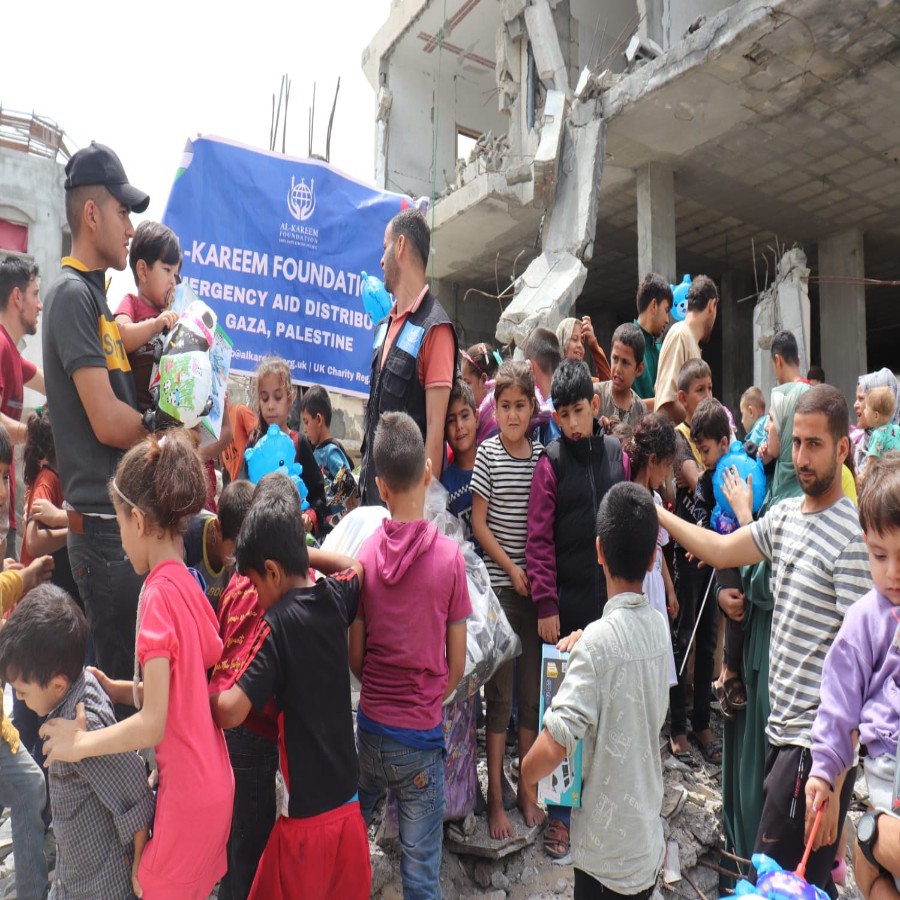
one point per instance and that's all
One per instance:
(91, 392)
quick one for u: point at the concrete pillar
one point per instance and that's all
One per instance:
(656, 221)
(737, 339)
(842, 310)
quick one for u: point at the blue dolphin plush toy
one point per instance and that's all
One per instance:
(275, 452)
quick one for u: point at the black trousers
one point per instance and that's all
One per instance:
(783, 818)
(588, 888)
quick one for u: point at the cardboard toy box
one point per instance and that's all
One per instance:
(562, 787)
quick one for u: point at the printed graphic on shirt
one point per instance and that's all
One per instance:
(113, 348)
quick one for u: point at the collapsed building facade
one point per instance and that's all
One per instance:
(572, 146)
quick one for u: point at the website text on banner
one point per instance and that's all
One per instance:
(275, 246)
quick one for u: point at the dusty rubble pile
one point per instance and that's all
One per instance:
(475, 866)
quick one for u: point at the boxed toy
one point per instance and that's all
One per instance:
(562, 787)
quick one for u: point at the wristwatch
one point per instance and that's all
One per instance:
(867, 834)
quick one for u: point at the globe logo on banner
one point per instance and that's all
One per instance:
(301, 199)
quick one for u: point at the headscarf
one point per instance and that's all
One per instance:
(883, 378)
(564, 333)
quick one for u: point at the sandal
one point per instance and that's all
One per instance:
(721, 696)
(684, 756)
(711, 751)
(556, 839)
(735, 693)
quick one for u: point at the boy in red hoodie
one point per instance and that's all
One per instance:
(412, 574)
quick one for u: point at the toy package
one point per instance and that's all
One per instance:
(190, 378)
(775, 883)
(562, 787)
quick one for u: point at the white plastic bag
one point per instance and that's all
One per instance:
(490, 640)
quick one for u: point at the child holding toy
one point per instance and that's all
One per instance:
(275, 395)
(155, 260)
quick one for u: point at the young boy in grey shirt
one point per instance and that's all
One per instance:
(614, 697)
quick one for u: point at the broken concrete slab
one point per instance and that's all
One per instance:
(480, 843)
(546, 160)
(573, 217)
(545, 292)
(548, 56)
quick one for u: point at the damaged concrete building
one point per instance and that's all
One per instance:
(573, 145)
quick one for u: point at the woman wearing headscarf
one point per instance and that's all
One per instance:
(745, 743)
(576, 334)
(882, 378)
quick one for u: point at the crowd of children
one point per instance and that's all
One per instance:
(243, 660)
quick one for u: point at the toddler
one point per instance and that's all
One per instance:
(879, 416)
(862, 669)
(155, 260)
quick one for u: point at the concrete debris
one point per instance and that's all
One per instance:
(640, 51)
(672, 864)
(548, 56)
(573, 218)
(480, 843)
(546, 160)
(545, 292)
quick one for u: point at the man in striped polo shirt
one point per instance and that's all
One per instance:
(819, 567)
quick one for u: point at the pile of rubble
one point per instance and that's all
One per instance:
(473, 865)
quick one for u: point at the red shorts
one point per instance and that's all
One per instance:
(318, 858)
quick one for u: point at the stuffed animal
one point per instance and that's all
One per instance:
(679, 298)
(275, 452)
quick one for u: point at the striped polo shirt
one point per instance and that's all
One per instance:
(505, 483)
(819, 568)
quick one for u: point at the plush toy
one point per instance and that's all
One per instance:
(275, 452)
(183, 391)
(774, 883)
(376, 299)
(679, 298)
(723, 518)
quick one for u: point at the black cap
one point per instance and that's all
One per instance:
(98, 164)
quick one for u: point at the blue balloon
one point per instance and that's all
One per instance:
(376, 299)
(745, 465)
(679, 298)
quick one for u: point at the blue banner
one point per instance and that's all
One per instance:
(275, 246)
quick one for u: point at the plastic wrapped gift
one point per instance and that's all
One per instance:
(774, 883)
(185, 387)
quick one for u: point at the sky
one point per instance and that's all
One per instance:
(142, 78)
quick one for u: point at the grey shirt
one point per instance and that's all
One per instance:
(819, 568)
(608, 408)
(614, 696)
(80, 332)
(98, 806)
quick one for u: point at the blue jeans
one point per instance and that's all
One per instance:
(417, 778)
(23, 792)
(255, 762)
(109, 589)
